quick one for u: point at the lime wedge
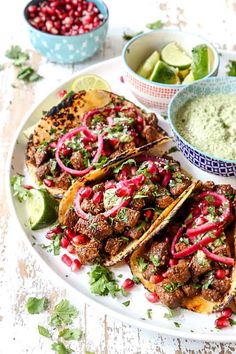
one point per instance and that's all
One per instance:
(200, 61)
(183, 73)
(90, 82)
(189, 78)
(164, 74)
(146, 68)
(41, 208)
(172, 54)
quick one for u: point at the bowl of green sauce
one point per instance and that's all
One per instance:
(203, 120)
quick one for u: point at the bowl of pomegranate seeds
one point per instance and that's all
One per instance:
(67, 31)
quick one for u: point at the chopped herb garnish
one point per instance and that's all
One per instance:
(120, 276)
(209, 281)
(230, 196)
(63, 314)
(212, 210)
(172, 150)
(171, 287)
(126, 303)
(184, 240)
(18, 189)
(28, 74)
(102, 161)
(232, 322)
(231, 66)
(60, 348)
(16, 53)
(36, 305)
(130, 162)
(71, 334)
(149, 313)
(155, 260)
(128, 36)
(44, 332)
(155, 25)
(102, 281)
(136, 279)
(177, 324)
(122, 215)
(56, 244)
(142, 264)
(169, 314)
(124, 239)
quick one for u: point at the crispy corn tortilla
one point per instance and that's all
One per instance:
(196, 303)
(66, 116)
(100, 175)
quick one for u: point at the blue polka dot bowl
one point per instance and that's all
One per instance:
(69, 49)
(208, 163)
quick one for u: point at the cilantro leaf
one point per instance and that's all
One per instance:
(44, 332)
(128, 36)
(60, 348)
(155, 25)
(177, 324)
(36, 305)
(128, 162)
(28, 74)
(71, 334)
(142, 264)
(18, 190)
(155, 260)
(149, 313)
(56, 244)
(14, 52)
(102, 281)
(172, 150)
(136, 279)
(126, 303)
(231, 66)
(169, 314)
(63, 313)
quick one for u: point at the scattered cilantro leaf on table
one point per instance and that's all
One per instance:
(128, 36)
(44, 332)
(60, 348)
(149, 313)
(231, 66)
(177, 324)
(36, 305)
(155, 25)
(15, 52)
(126, 303)
(63, 313)
(28, 74)
(169, 314)
(18, 189)
(70, 334)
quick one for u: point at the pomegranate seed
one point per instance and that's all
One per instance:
(32, 8)
(53, 145)
(27, 186)
(152, 297)
(122, 79)
(70, 234)
(70, 249)
(152, 167)
(49, 25)
(140, 120)
(64, 242)
(97, 197)
(128, 284)
(53, 232)
(65, 151)
(165, 274)
(85, 192)
(172, 262)
(220, 274)
(49, 182)
(114, 141)
(222, 322)
(109, 185)
(67, 260)
(156, 278)
(148, 213)
(61, 93)
(133, 170)
(227, 312)
(80, 240)
(76, 265)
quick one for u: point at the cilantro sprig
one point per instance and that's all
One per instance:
(36, 305)
(19, 190)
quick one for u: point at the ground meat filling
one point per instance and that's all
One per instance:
(195, 273)
(130, 184)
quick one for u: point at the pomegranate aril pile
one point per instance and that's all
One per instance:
(65, 17)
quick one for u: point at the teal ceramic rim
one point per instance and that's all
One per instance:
(35, 2)
(170, 119)
(179, 86)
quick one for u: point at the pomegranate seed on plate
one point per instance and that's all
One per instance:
(80, 240)
(49, 182)
(152, 297)
(220, 274)
(222, 322)
(76, 265)
(64, 242)
(53, 232)
(128, 284)
(66, 259)
(156, 278)
(70, 233)
(61, 93)
(227, 312)
(28, 187)
(152, 167)
(85, 192)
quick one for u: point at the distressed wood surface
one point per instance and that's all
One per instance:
(20, 274)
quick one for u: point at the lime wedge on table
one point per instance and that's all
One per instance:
(164, 74)
(146, 68)
(172, 54)
(41, 208)
(200, 61)
(90, 82)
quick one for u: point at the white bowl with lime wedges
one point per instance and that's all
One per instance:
(158, 64)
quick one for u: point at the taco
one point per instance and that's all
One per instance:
(86, 131)
(119, 206)
(190, 262)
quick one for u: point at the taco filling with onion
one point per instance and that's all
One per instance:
(121, 206)
(191, 260)
(93, 138)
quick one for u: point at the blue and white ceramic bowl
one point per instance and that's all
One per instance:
(69, 49)
(208, 163)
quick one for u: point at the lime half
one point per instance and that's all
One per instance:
(172, 54)
(90, 82)
(200, 61)
(164, 74)
(41, 208)
(146, 68)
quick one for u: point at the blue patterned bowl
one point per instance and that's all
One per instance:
(69, 49)
(200, 159)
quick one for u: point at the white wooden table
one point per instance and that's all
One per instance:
(20, 274)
